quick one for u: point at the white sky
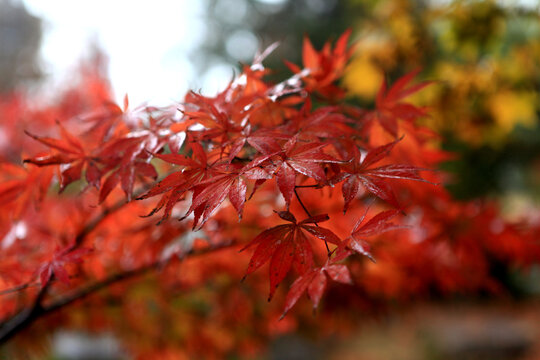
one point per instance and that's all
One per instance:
(147, 43)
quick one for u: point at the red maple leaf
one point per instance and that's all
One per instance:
(287, 246)
(374, 179)
(61, 257)
(19, 187)
(324, 123)
(314, 282)
(378, 224)
(70, 152)
(227, 181)
(296, 158)
(126, 157)
(175, 185)
(260, 139)
(207, 112)
(389, 107)
(325, 67)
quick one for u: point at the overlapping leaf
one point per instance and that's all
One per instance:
(22, 187)
(287, 246)
(314, 283)
(297, 158)
(374, 179)
(175, 185)
(378, 224)
(126, 157)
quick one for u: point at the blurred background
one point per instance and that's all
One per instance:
(484, 57)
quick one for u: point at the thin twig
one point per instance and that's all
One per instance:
(18, 288)
(29, 315)
(309, 215)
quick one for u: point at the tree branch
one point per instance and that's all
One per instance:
(19, 288)
(25, 317)
(28, 316)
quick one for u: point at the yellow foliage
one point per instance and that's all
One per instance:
(363, 78)
(403, 27)
(510, 109)
(364, 75)
(484, 56)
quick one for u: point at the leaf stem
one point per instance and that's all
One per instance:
(309, 215)
(306, 186)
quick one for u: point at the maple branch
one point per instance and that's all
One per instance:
(82, 293)
(329, 253)
(19, 288)
(28, 316)
(21, 320)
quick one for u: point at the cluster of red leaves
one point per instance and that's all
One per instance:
(286, 147)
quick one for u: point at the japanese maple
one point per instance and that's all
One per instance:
(83, 209)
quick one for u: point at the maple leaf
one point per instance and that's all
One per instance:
(361, 173)
(227, 180)
(105, 120)
(126, 157)
(388, 105)
(70, 152)
(211, 184)
(314, 282)
(22, 187)
(325, 67)
(61, 257)
(323, 123)
(287, 246)
(378, 224)
(175, 185)
(207, 112)
(261, 139)
(295, 158)
(209, 194)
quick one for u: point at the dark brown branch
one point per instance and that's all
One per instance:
(19, 288)
(82, 293)
(24, 318)
(11, 326)
(31, 314)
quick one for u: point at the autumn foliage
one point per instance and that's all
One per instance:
(287, 182)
